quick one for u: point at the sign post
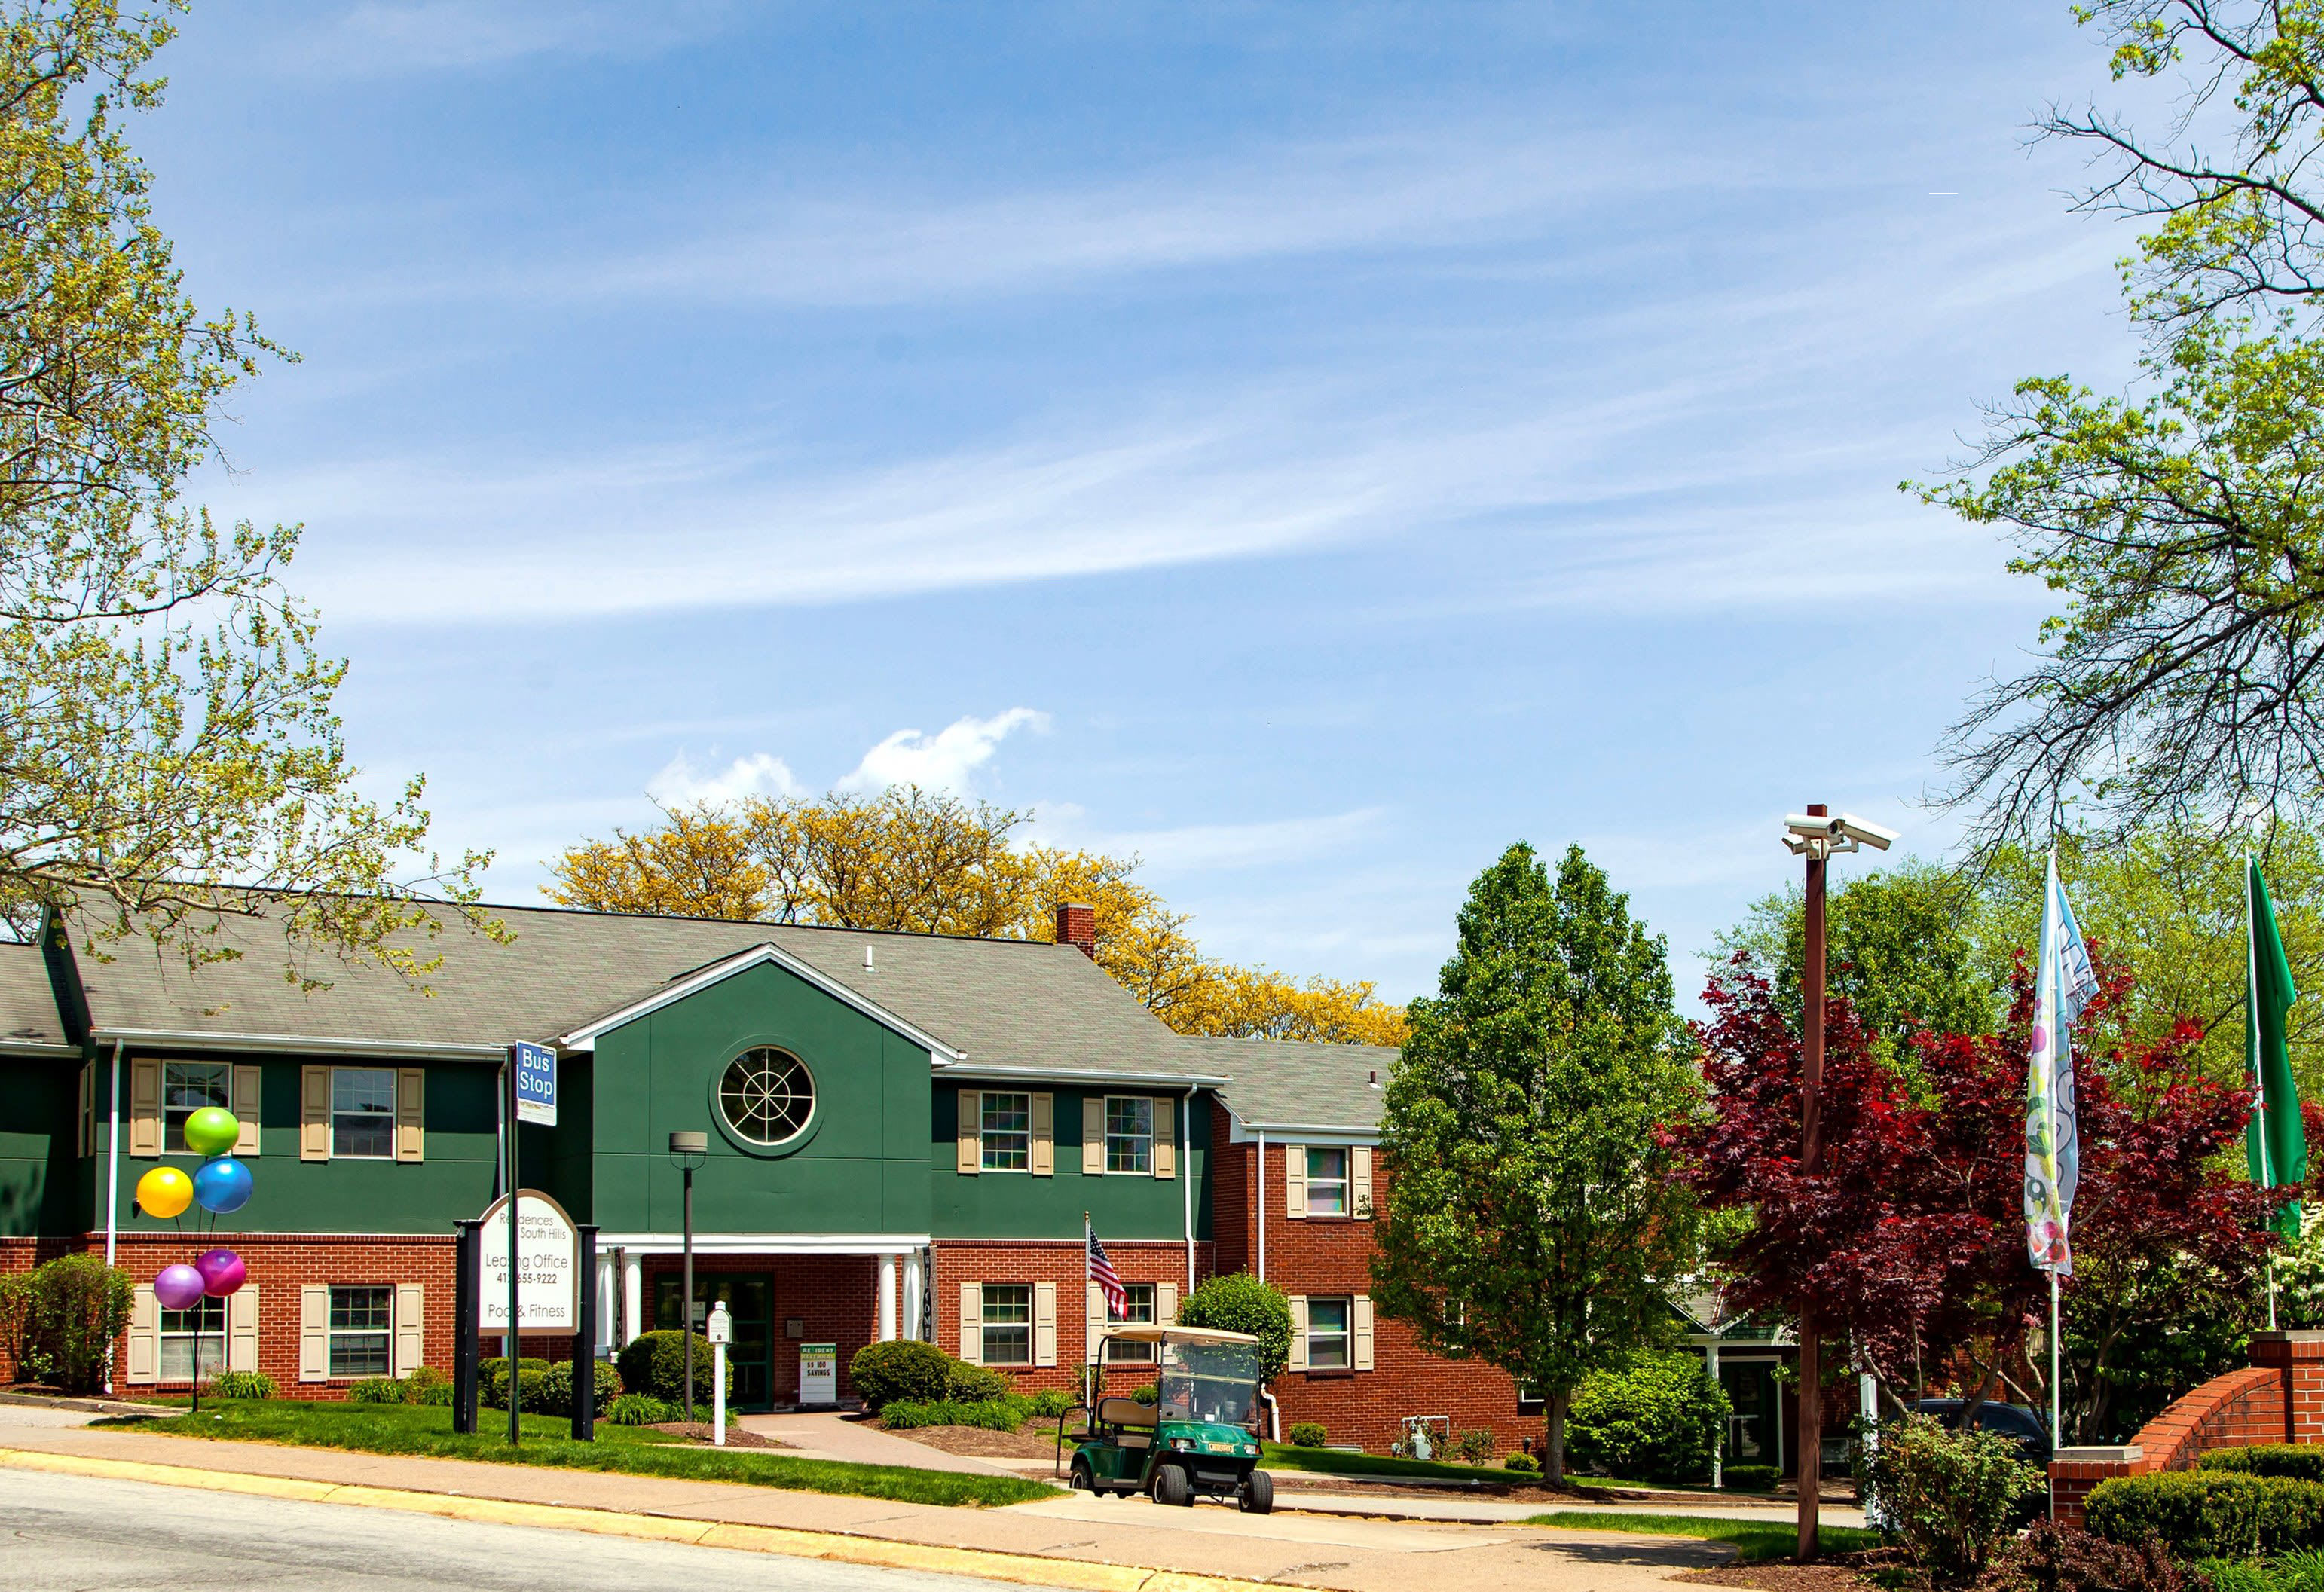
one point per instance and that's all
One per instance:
(528, 1267)
(721, 1334)
(532, 1098)
(464, 1329)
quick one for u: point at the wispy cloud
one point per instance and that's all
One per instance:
(682, 783)
(378, 38)
(943, 760)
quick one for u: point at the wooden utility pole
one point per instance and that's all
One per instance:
(1810, 1382)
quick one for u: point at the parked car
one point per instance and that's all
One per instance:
(2014, 1421)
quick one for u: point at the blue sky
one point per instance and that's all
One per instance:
(1310, 446)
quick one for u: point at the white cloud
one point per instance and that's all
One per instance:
(378, 37)
(942, 761)
(682, 784)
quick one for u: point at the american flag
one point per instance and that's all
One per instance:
(1102, 1273)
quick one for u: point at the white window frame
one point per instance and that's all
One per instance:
(203, 1344)
(337, 1334)
(986, 1134)
(1345, 1337)
(987, 1326)
(1344, 1183)
(1144, 1301)
(387, 1117)
(1134, 1145)
(173, 1116)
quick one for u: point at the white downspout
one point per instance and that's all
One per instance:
(1186, 1178)
(1262, 1204)
(112, 1182)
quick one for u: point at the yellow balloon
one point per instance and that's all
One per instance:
(164, 1191)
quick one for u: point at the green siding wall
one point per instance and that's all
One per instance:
(39, 1185)
(861, 1167)
(1019, 1205)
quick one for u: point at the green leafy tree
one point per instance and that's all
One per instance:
(1240, 1303)
(1534, 1218)
(165, 717)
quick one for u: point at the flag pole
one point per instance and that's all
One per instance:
(2258, 1062)
(2057, 1048)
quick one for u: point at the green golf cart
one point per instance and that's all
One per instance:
(1199, 1438)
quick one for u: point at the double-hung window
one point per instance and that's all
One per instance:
(362, 1319)
(1005, 1132)
(1327, 1181)
(188, 1087)
(193, 1337)
(1130, 1134)
(1327, 1333)
(363, 1113)
(1138, 1310)
(1008, 1324)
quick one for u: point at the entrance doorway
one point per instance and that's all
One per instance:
(1755, 1434)
(750, 1301)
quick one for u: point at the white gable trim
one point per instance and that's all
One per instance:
(584, 1038)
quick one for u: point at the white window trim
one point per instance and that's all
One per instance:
(170, 1062)
(215, 1339)
(1346, 1180)
(332, 1334)
(1106, 1119)
(983, 1170)
(394, 1087)
(985, 1323)
(1345, 1337)
(1145, 1350)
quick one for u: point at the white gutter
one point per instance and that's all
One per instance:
(112, 1184)
(309, 1044)
(1186, 1178)
(1262, 1204)
(1070, 1074)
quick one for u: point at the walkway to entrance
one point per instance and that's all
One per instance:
(827, 1435)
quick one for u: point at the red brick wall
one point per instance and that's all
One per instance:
(833, 1297)
(1232, 1227)
(1058, 1261)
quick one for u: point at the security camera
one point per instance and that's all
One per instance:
(1863, 832)
(1814, 829)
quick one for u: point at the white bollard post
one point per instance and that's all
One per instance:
(721, 1332)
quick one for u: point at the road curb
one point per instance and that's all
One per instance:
(981, 1563)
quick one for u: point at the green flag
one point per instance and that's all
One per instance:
(2274, 1143)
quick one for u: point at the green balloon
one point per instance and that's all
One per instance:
(212, 1131)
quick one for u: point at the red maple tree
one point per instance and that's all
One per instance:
(1911, 1237)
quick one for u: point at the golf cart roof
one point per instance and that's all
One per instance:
(1144, 1334)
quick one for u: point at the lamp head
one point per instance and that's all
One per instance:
(689, 1150)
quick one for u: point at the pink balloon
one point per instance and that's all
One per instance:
(221, 1270)
(179, 1287)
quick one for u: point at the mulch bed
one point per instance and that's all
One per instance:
(699, 1431)
(978, 1442)
(1835, 1572)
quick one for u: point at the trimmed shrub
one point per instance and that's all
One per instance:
(967, 1385)
(416, 1385)
(1309, 1434)
(1952, 1495)
(1150, 1395)
(2210, 1514)
(2051, 1557)
(1000, 1414)
(492, 1381)
(1659, 1417)
(435, 1392)
(638, 1409)
(556, 1388)
(1051, 1403)
(1751, 1478)
(1477, 1446)
(376, 1390)
(1240, 1303)
(655, 1362)
(903, 1370)
(242, 1385)
(58, 1321)
(1522, 1464)
(2301, 1461)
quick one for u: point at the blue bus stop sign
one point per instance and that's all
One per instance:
(536, 1084)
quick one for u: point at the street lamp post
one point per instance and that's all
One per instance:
(689, 1150)
(1817, 836)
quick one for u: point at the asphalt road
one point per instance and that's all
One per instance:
(63, 1533)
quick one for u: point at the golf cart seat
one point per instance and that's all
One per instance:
(1133, 1421)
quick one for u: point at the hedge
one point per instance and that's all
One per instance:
(1659, 1417)
(2216, 1513)
(2301, 1461)
(556, 1388)
(655, 1362)
(1751, 1478)
(1000, 1414)
(884, 1373)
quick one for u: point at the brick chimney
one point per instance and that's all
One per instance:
(1077, 925)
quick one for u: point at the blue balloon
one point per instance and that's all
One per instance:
(222, 1185)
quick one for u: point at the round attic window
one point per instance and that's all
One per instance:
(767, 1096)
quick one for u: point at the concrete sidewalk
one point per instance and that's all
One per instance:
(1100, 1545)
(827, 1435)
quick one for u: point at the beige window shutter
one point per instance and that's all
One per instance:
(1045, 1323)
(1165, 1304)
(971, 1322)
(314, 1113)
(1360, 1180)
(1298, 1332)
(145, 1336)
(1044, 1136)
(1094, 1134)
(1361, 1318)
(411, 1114)
(1165, 1137)
(1295, 1181)
(1092, 1323)
(242, 1328)
(88, 1111)
(247, 1084)
(969, 1158)
(145, 1112)
(410, 1304)
(315, 1328)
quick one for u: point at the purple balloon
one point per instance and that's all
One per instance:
(221, 1271)
(179, 1287)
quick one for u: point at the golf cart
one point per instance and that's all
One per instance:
(1198, 1439)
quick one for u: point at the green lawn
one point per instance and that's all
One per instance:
(1334, 1462)
(1753, 1540)
(427, 1429)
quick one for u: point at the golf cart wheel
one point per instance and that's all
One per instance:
(1256, 1493)
(1173, 1486)
(1085, 1479)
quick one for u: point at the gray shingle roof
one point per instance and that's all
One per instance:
(1005, 1003)
(1279, 1082)
(28, 1004)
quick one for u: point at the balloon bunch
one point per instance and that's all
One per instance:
(220, 1186)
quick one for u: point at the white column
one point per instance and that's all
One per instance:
(609, 1304)
(887, 1298)
(633, 1295)
(914, 1286)
(1719, 1449)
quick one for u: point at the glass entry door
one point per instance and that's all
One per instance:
(1753, 1433)
(750, 1301)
